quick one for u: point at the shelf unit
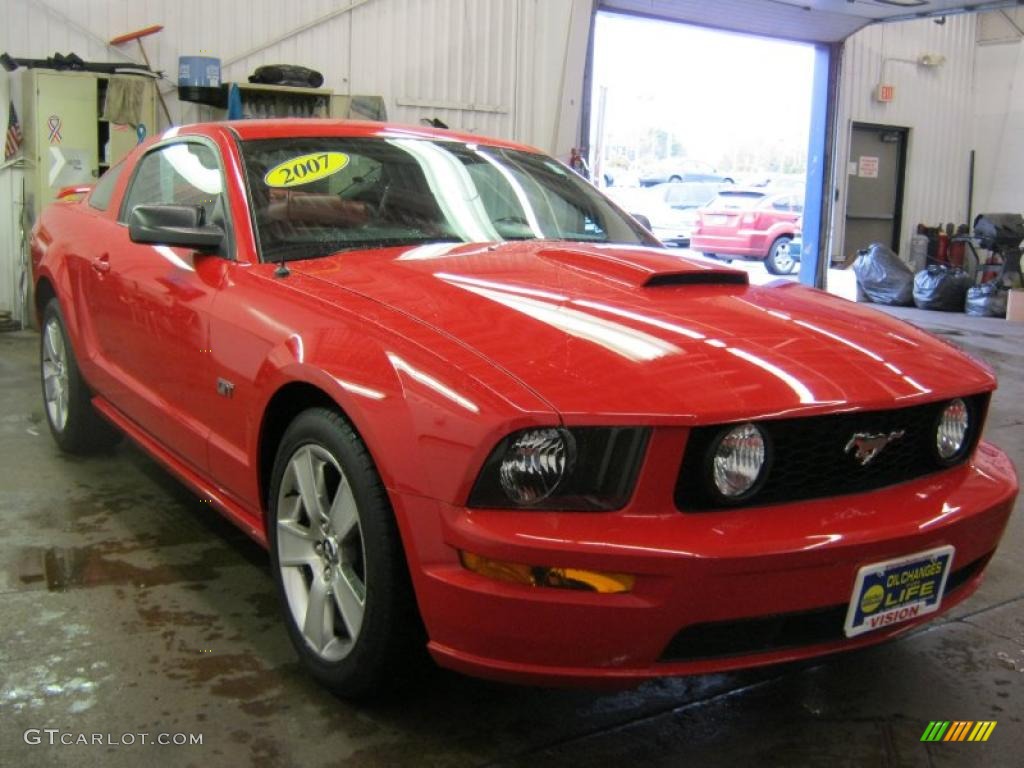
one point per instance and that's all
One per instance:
(66, 139)
(261, 101)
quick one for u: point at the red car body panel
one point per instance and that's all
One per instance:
(436, 353)
(747, 232)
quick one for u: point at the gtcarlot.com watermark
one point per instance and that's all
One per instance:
(56, 737)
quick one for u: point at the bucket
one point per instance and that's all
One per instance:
(198, 71)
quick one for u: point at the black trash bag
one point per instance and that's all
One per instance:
(287, 74)
(883, 277)
(987, 300)
(941, 288)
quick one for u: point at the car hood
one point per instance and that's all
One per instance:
(640, 334)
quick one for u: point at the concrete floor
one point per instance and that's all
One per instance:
(126, 607)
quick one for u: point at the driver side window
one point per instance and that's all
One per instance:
(179, 174)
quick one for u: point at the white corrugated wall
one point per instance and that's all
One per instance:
(999, 114)
(493, 67)
(506, 68)
(936, 104)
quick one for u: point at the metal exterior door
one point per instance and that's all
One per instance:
(874, 197)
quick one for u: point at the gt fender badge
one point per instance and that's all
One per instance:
(867, 446)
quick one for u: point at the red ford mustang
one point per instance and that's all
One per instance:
(468, 403)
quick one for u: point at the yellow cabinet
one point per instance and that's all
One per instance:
(67, 142)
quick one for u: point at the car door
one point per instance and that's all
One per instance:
(153, 322)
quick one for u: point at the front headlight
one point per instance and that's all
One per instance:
(738, 460)
(551, 468)
(535, 464)
(951, 431)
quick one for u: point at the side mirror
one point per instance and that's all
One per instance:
(178, 225)
(642, 220)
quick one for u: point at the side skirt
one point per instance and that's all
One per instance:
(201, 485)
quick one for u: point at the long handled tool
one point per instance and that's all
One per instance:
(137, 37)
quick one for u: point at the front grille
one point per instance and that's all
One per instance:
(808, 460)
(742, 637)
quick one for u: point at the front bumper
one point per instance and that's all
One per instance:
(742, 568)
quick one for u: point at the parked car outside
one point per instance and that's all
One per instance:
(671, 208)
(778, 182)
(680, 169)
(472, 408)
(619, 177)
(752, 224)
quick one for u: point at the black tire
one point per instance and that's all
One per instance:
(387, 649)
(675, 178)
(778, 261)
(67, 402)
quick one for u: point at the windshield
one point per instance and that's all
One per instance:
(315, 196)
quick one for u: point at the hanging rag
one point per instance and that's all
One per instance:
(124, 100)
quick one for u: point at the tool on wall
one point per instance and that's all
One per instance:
(137, 37)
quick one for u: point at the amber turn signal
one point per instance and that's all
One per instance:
(542, 576)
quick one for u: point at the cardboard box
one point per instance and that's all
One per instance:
(1015, 306)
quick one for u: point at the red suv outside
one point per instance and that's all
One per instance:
(750, 223)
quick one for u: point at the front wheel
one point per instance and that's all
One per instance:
(74, 423)
(338, 560)
(779, 260)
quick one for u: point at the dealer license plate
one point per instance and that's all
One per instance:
(898, 590)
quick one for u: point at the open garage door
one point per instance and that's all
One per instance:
(825, 23)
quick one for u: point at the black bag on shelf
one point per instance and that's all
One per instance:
(987, 300)
(883, 277)
(941, 288)
(287, 74)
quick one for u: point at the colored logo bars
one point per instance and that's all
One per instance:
(958, 730)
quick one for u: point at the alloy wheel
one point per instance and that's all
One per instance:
(320, 552)
(55, 374)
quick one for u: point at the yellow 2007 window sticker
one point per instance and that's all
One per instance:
(305, 169)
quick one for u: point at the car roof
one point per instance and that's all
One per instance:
(251, 130)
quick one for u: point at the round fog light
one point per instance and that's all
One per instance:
(951, 434)
(738, 461)
(535, 463)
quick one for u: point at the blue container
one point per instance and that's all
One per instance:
(198, 71)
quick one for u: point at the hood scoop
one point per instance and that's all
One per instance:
(640, 267)
(708, 277)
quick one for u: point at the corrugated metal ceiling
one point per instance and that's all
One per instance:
(823, 21)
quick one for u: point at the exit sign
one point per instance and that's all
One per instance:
(885, 93)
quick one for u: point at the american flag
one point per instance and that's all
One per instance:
(12, 142)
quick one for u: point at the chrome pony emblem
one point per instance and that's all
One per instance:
(867, 446)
